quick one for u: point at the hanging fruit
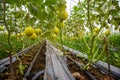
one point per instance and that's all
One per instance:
(107, 32)
(62, 15)
(29, 31)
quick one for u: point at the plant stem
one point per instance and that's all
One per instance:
(61, 34)
(102, 52)
(88, 10)
(87, 65)
(91, 46)
(86, 43)
(10, 50)
(108, 57)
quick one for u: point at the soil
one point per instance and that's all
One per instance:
(93, 70)
(26, 60)
(74, 68)
(39, 64)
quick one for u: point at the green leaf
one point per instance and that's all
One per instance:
(10, 2)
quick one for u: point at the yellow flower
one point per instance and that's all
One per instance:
(12, 35)
(56, 30)
(29, 31)
(22, 34)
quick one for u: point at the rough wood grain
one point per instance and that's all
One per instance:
(56, 69)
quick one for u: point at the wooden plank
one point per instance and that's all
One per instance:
(49, 75)
(57, 64)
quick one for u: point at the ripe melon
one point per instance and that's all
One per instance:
(29, 31)
(62, 15)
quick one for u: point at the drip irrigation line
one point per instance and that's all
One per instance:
(31, 65)
(39, 73)
(100, 64)
(4, 63)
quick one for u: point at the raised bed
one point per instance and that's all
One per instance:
(45, 62)
(27, 60)
(35, 60)
(101, 66)
(37, 65)
(4, 63)
(56, 64)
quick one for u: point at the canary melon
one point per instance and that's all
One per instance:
(29, 31)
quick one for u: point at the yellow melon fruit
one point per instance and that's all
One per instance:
(107, 32)
(62, 15)
(29, 31)
(33, 37)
